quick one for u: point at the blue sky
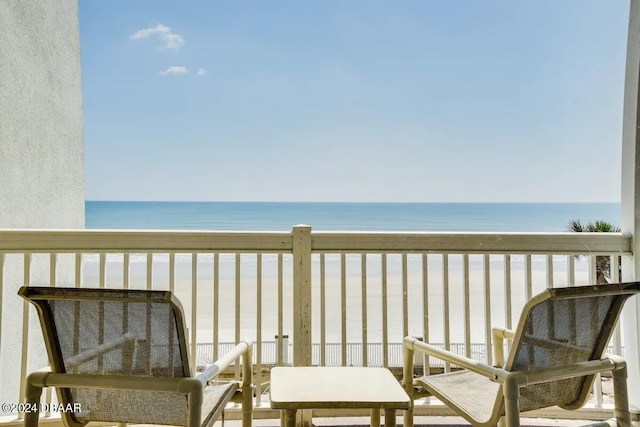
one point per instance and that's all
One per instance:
(412, 101)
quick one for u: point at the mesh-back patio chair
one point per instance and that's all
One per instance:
(558, 347)
(121, 356)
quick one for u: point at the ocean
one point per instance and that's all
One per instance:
(281, 216)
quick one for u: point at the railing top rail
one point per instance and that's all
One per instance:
(34, 240)
(473, 242)
(142, 241)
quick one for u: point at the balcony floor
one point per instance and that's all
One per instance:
(419, 421)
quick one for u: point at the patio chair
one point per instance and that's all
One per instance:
(558, 347)
(121, 356)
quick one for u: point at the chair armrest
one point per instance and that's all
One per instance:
(244, 349)
(479, 368)
(567, 371)
(503, 332)
(115, 382)
(499, 335)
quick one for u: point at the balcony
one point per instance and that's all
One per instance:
(309, 298)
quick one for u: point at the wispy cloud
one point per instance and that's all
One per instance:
(169, 40)
(201, 72)
(174, 69)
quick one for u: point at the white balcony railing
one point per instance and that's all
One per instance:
(342, 298)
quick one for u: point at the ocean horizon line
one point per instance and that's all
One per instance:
(358, 202)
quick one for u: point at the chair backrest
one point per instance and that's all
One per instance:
(131, 333)
(562, 326)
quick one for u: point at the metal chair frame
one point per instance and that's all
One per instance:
(507, 401)
(192, 386)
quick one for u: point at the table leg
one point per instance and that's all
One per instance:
(289, 418)
(375, 417)
(389, 418)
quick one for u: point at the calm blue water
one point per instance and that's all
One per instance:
(281, 216)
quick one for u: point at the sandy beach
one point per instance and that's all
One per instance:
(333, 291)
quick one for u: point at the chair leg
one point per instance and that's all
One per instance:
(511, 394)
(407, 384)
(33, 394)
(247, 405)
(621, 398)
(247, 387)
(408, 417)
(194, 400)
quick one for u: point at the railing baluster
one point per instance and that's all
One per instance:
(78, 269)
(385, 319)
(467, 306)
(343, 306)
(216, 303)
(445, 285)
(53, 265)
(238, 309)
(25, 333)
(405, 296)
(597, 384)
(528, 285)
(194, 307)
(425, 309)
(571, 270)
(323, 312)
(172, 271)
(615, 278)
(280, 338)
(101, 283)
(150, 271)
(549, 271)
(487, 309)
(593, 275)
(365, 360)
(103, 270)
(507, 297)
(507, 293)
(126, 270)
(259, 330)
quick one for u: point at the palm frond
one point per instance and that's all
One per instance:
(602, 227)
(575, 225)
(603, 263)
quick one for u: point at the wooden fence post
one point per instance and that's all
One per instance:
(301, 235)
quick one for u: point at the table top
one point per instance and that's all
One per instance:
(341, 387)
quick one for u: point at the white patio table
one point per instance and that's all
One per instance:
(294, 388)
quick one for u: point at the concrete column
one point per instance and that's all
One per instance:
(41, 157)
(631, 198)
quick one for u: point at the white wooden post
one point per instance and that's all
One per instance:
(631, 200)
(301, 235)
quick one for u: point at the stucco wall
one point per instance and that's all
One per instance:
(41, 150)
